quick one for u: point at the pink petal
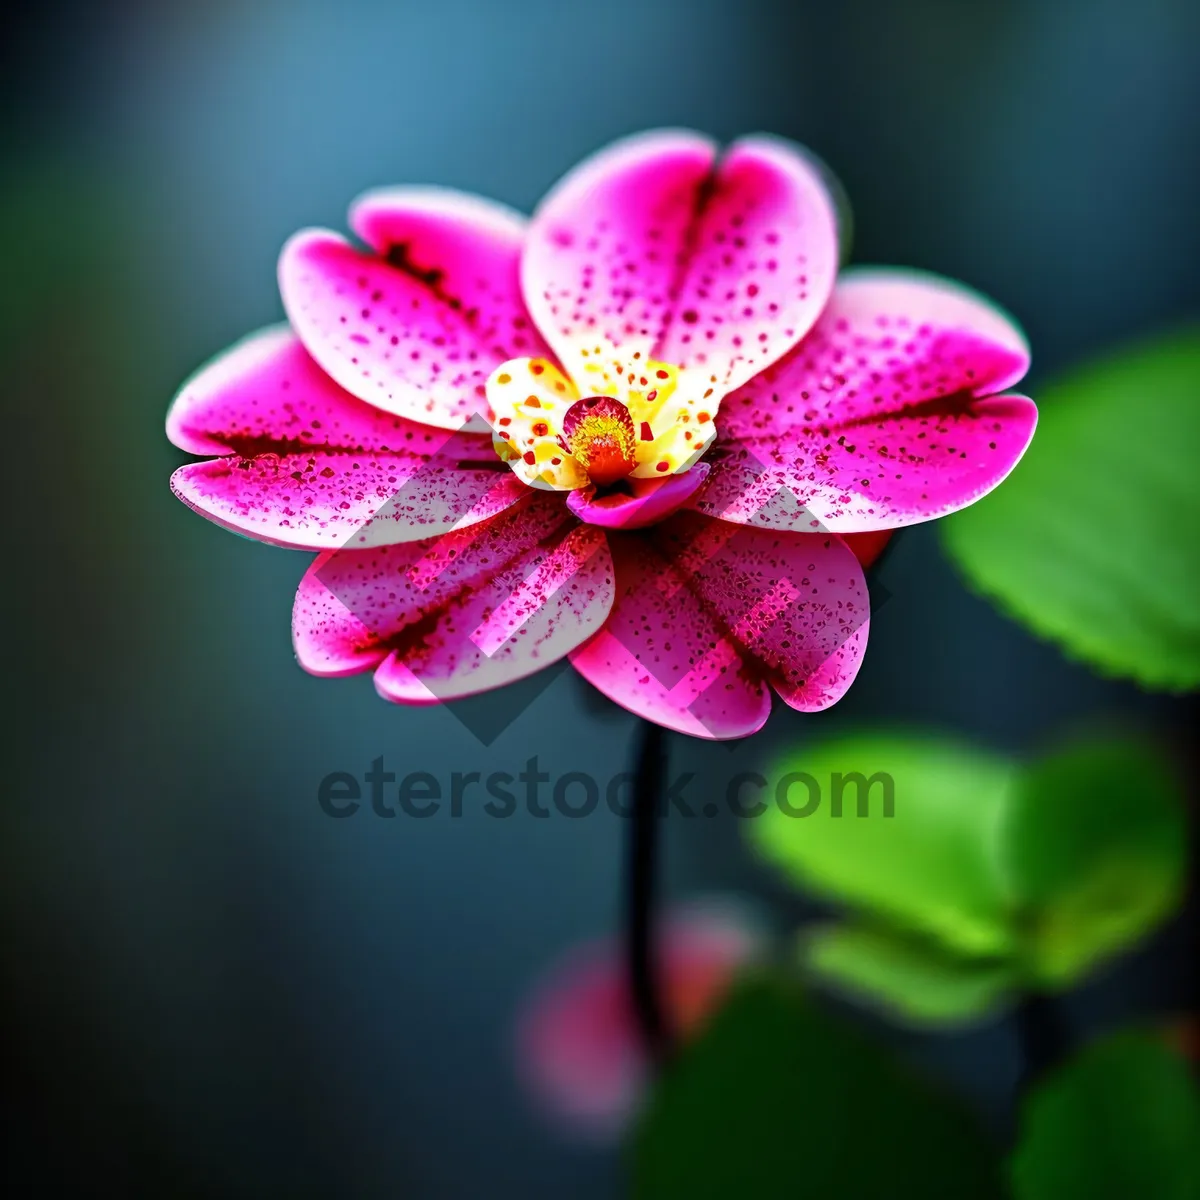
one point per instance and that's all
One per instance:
(308, 466)
(533, 612)
(417, 326)
(647, 501)
(352, 605)
(655, 246)
(578, 1045)
(664, 656)
(883, 416)
(762, 264)
(797, 602)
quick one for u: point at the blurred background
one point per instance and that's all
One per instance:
(213, 989)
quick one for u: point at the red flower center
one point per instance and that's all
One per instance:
(598, 432)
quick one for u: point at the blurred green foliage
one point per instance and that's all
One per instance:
(1095, 844)
(777, 1099)
(930, 867)
(988, 877)
(1094, 541)
(1120, 1121)
(918, 981)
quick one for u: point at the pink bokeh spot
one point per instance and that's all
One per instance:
(579, 1049)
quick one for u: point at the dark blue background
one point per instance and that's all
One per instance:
(214, 989)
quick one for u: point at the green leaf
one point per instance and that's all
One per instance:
(1095, 844)
(931, 867)
(1121, 1122)
(777, 1100)
(911, 981)
(1092, 541)
(1051, 869)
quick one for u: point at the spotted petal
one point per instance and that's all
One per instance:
(664, 656)
(532, 613)
(354, 605)
(529, 399)
(884, 416)
(304, 464)
(655, 249)
(415, 325)
(797, 602)
(709, 613)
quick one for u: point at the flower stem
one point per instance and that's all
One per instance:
(1044, 1037)
(642, 863)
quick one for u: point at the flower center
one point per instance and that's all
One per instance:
(598, 432)
(639, 419)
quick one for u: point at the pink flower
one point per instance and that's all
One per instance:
(643, 429)
(579, 1049)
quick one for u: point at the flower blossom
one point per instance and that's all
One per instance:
(651, 429)
(580, 1052)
